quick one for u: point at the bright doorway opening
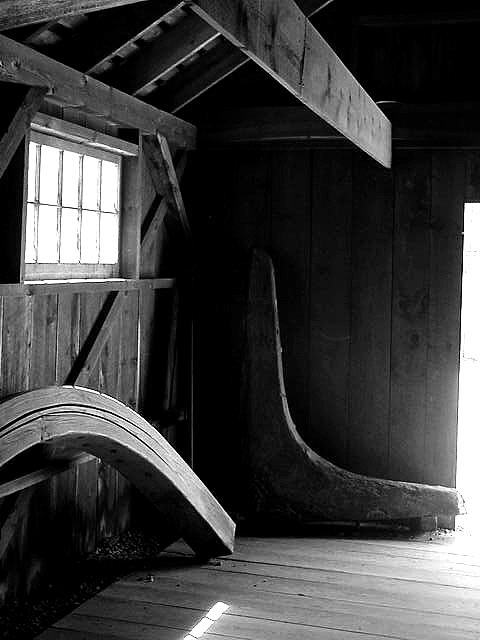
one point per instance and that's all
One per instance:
(468, 443)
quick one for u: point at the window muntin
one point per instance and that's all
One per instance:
(72, 227)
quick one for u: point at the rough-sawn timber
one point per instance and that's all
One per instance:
(77, 419)
(288, 479)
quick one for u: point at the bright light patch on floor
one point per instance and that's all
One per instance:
(214, 614)
(468, 443)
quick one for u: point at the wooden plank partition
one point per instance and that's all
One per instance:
(369, 266)
(44, 327)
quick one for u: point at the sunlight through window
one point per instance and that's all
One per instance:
(214, 614)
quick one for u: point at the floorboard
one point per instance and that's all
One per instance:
(302, 588)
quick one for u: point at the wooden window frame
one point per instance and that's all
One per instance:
(84, 140)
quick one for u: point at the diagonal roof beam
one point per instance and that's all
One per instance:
(161, 55)
(66, 86)
(18, 13)
(107, 32)
(211, 68)
(279, 38)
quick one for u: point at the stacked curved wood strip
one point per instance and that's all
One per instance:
(288, 479)
(75, 419)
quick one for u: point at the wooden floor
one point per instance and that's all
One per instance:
(295, 588)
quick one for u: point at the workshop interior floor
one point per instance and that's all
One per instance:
(347, 587)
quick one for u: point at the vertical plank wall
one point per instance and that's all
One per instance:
(368, 266)
(41, 335)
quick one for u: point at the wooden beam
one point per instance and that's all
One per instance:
(107, 33)
(44, 473)
(160, 206)
(19, 125)
(18, 13)
(165, 181)
(211, 68)
(280, 39)
(174, 184)
(91, 350)
(74, 89)
(161, 55)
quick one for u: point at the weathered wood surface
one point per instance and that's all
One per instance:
(19, 125)
(17, 13)
(288, 479)
(23, 65)
(296, 587)
(280, 38)
(75, 418)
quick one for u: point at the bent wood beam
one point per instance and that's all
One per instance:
(18, 13)
(84, 420)
(279, 38)
(288, 479)
(74, 89)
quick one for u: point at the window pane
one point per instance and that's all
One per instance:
(49, 165)
(89, 237)
(109, 200)
(47, 234)
(32, 166)
(71, 168)
(69, 249)
(108, 238)
(30, 234)
(91, 174)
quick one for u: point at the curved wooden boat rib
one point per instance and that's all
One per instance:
(72, 418)
(289, 480)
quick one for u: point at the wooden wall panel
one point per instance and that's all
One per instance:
(446, 224)
(363, 254)
(329, 304)
(371, 300)
(290, 242)
(410, 304)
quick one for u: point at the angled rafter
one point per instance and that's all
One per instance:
(280, 39)
(75, 89)
(18, 13)
(211, 68)
(109, 31)
(17, 129)
(161, 55)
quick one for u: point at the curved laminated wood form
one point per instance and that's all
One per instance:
(288, 479)
(72, 418)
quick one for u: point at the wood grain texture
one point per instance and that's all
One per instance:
(97, 424)
(296, 55)
(17, 13)
(371, 309)
(287, 479)
(72, 88)
(410, 306)
(330, 304)
(19, 125)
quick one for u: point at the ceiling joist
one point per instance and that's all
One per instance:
(161, 55)
(18, 13)
(74, 89)
(280, 39)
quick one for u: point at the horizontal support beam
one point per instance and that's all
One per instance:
(82, 135)
(74, 89)
(18, 13)
(280, 39)
(83, 286)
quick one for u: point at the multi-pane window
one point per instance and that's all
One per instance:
(72, 210)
